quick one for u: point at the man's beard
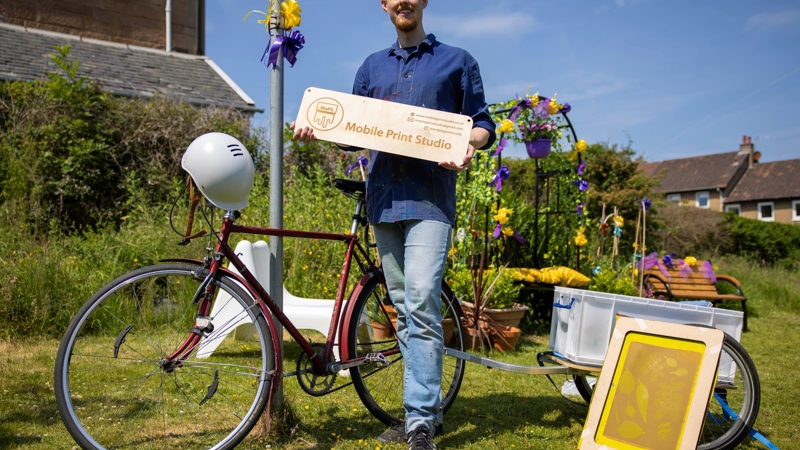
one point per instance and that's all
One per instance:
(404, 24)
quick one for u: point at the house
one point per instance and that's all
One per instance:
(768, 192)
(703, 181)
(734, 182)
(134, 49)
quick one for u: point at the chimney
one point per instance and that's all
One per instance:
(746, 148)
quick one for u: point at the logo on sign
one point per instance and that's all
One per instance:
(325, 114)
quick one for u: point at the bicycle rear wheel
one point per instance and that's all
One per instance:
(381, 387)
(738, 391)
(114, 390)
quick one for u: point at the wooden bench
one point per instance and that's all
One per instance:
(694, 287)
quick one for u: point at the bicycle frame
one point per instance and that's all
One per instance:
(322, 364)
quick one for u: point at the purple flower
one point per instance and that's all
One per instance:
(583, 185)
(646, 202)
(668, 259)
(496, 233)
(566, 108)
(580, 208)
(543, 108)
(500, 146)
(581, 166)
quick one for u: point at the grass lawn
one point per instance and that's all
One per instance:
(494, 410)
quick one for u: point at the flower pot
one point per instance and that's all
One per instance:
(538, 148)
(505, 339)
(473, 340)
(381, 330)
(505, 317)
(448, 330)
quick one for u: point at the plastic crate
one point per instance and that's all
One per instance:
(583, 321)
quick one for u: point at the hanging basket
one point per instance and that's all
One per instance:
(538, 148)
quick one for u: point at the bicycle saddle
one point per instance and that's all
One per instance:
(351, 188)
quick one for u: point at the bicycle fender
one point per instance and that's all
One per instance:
(265, 311)
(349, 313)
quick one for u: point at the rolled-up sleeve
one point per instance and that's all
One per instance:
(474, 102)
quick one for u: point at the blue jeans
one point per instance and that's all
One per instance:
(415, 289)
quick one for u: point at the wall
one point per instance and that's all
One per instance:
(689, 199)
(137, 22)
(783, 210)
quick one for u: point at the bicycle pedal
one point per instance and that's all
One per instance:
(376, 358)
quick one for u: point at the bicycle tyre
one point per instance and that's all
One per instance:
(111, 390)
(720, 430)
(381, 388)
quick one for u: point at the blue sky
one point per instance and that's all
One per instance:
(680, 78)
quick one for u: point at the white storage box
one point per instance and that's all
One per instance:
(583, 321)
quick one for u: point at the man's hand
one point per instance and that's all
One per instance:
(305, 134)
(464, 164)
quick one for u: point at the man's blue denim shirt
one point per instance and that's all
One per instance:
(435, 76)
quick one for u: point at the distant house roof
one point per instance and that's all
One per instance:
(122, 69)
(696, 173)
(768, 181)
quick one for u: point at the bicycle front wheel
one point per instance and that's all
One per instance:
(734, 405)
(114, 388)
(380, 387)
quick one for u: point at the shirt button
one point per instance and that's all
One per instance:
(405, 75)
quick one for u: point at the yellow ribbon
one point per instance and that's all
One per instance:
(290, 14)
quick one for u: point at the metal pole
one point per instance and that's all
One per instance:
(276, 191)
(168, 11)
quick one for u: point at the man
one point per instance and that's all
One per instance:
(411, 203)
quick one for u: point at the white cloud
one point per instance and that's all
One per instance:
(507, 90)
(772, 20)
(481, 25)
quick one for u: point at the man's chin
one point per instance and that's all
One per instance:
(406, 25)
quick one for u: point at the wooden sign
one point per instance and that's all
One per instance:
(654, 388)
(385, 126)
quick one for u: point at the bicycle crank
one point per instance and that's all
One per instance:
(313, 384)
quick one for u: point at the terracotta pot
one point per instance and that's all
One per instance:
(505, 339)
(473, 341)
(505, 317)
(448, 329)
(381, 330)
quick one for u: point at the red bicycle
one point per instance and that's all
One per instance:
(128, 373)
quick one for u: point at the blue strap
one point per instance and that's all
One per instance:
(559, 305)
(753, 432)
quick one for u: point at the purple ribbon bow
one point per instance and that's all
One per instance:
(500, 146)
(361, 161)
(566, 108)
(292, 42)
(501, 174)
(496, 233)
(581, 166)
(708, 271)
(653, 260)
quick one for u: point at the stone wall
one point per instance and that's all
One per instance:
(134, 22)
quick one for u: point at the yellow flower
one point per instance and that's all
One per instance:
(690, 260)
(502, 215)
(715, 267)
(619, 221)
(290, 10)
(580, 145)
(534, 99)
(580, 240)
(554, 107)
(506, 126)
(507, 231)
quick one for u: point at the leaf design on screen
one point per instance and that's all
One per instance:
(626, 382)
(629, 430)
(643, 398)
(681, 372)
(672, 362)
(664, 430)
(630, 410)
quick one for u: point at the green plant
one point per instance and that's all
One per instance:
(502, 292)
(608, 280)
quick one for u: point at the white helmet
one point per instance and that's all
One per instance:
(222, 168)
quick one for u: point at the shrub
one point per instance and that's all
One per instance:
(689, 231)
(765, 242)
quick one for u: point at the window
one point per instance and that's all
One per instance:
(735, 208)
(674, 198)
(701, 199)
(796, 210)
(766, 212)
